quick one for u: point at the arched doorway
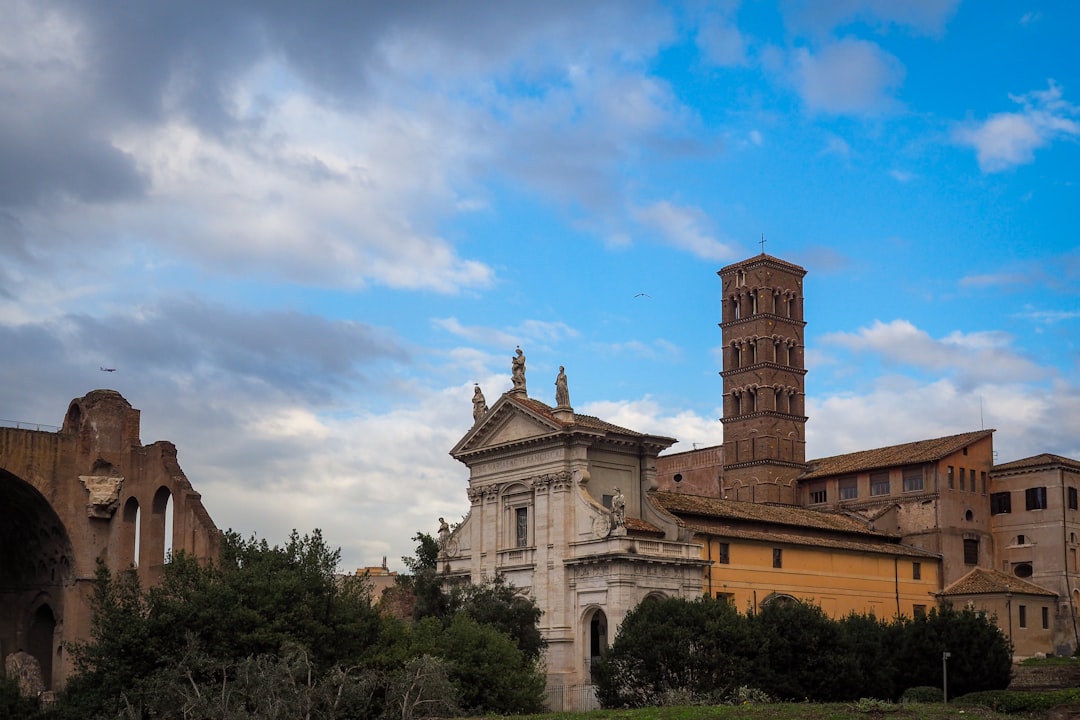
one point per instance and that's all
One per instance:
(35, 567)
(597, 628)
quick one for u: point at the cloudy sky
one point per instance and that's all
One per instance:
(300, 232)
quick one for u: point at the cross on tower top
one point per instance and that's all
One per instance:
(762, 243)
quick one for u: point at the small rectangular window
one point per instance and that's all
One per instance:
(1072, 499)
(1023, 616)
(724, 554)
(1000, 503)
(777, 558)
(918, 610)
(972, 476)
(983, 476)
(849, 488)
(729, 598)
(818, 496)
(879, 483)
(1035, 498)
(963, 479)
(1046, 618)
(913, 479)
(971, 552)
(949, 477)
(916, 571)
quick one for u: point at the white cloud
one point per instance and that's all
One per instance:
(847, 77)
(539, 331)
(977, 357)
(684, 228)
(1005, 140)
(646, 415)
(821, 16)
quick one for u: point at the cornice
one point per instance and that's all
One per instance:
(762, 365)
(762, 414)
(759, 315)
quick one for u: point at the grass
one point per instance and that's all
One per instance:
(791, 711)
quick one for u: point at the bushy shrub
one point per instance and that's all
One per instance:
(1019, 701)
(923, 694)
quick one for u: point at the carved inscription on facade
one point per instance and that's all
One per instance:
(516, 462)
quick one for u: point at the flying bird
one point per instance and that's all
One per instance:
(105, 369)
(641, 294)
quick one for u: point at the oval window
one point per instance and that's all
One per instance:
(1023, 570)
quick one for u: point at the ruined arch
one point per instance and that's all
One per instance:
(35, 566)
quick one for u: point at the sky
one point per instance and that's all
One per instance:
(301, 232)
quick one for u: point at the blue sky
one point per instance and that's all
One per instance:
(302, 232)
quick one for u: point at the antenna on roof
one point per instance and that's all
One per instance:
(982, 425)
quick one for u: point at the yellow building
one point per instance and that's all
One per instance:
(759, 553)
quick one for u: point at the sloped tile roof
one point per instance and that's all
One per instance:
(682, 504)
(636, 525)
(984, 581)
(1036, 461)
(869, 545)
(586, 421)
(906, 454)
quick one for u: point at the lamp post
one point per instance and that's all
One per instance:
(945, 675)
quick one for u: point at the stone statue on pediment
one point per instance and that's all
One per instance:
(479, 404)
(517, 370)
(618, 508)
(562, 392)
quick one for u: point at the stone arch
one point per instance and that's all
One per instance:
(131, 533)
(41, 638)
(780, 598)
(154, 541)
(595, 633)
(35, 566)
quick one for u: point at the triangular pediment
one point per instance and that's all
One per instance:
(504, 424)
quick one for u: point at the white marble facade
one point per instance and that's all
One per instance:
(541, 487)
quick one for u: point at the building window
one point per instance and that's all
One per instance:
(916, 571)
(879, 483)
(1023, 616)
(1072, 499)
(971, 552)
(1022, 570)
(818, 495)
(724, 554)
(849, 488)
(1020, 539)
(972, 477)
(913, 479)
(949, 477)
(777, 558)
(1035, 498)
(729, 598)
(1000, 503)
(918, 610)
(521, 527)
(983, 477)
(1046, 618)
(963, 476)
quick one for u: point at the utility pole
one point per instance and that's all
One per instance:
(945, 675)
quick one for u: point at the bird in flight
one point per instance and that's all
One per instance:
(641, 294)
(105, 369)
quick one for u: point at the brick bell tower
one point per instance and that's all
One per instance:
(764, 379)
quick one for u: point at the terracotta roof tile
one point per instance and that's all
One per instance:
(1035, 461)
(682, 504)
(637, 525)
(587, 421)
(882, 547)
(906, 454)
(984, 581)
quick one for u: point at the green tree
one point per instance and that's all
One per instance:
(674, 647)
(497, 603)
(980, 654)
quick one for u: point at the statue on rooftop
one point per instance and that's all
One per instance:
(479, 404)
(517, 370)
(562, 392)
